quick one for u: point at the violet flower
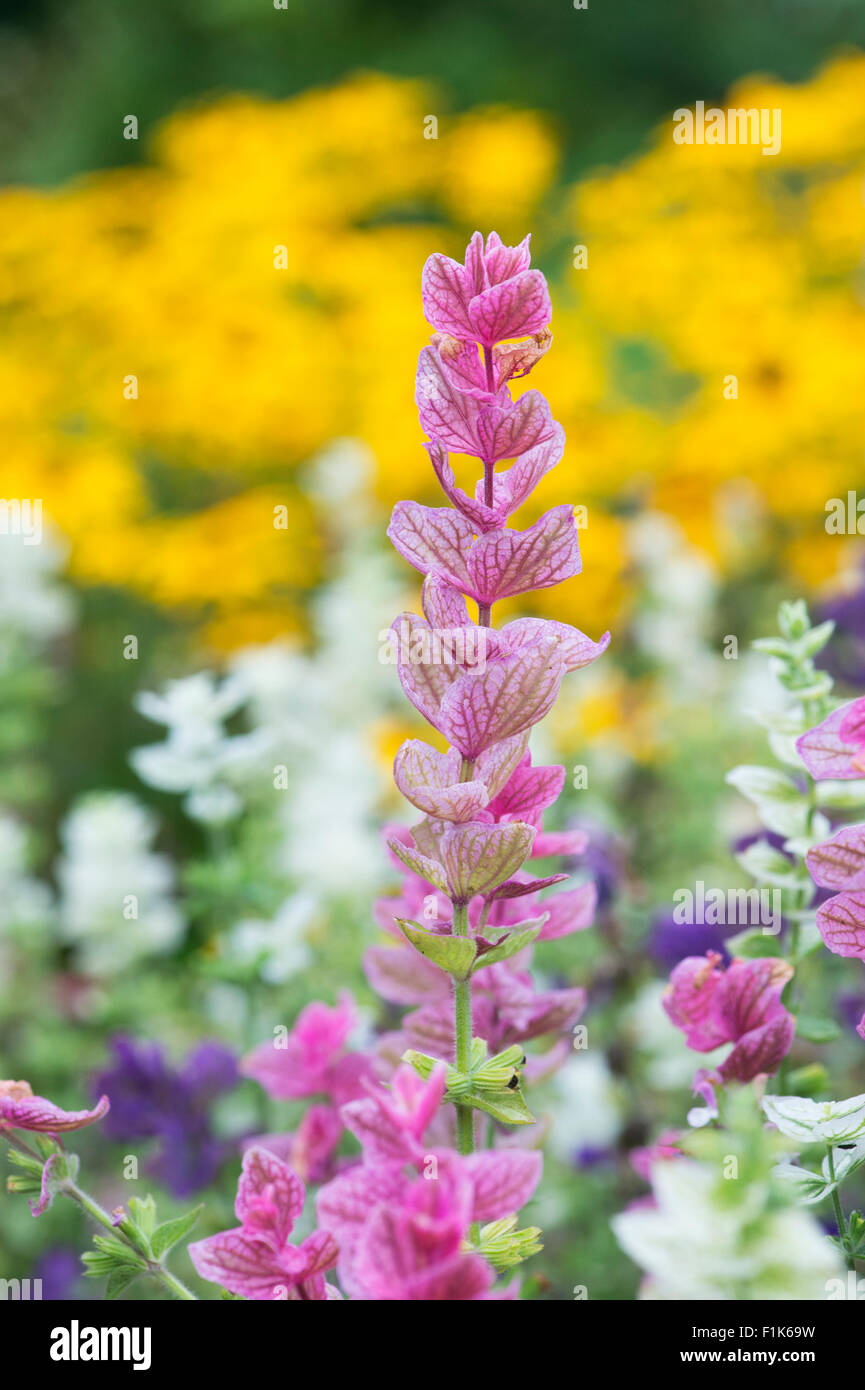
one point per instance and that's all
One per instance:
(151, 1099)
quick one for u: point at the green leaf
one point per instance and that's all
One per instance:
(809, 1080)
(753, 945)
(455, 954)
(514, 941)
(782, 807)
(170, 1232)
(813, 641)
(817, 1030)
(769, 866)
(841, 796)
(772, 646)
(119, 1280)
(506, 1106)
(143, 1213)
(117, 1252)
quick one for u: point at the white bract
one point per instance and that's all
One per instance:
(198, 757)
(698, 1244)
(280, 944)
(115, 900)
(24, 901)
(814, 1121)
(31, 603)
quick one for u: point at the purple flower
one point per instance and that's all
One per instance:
(670, 941)
(60, 1271)
(152, 1100)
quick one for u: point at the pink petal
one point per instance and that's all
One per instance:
(435, 540)
(570, 911)
(402, 976)
(425, 682)
(505, 428)
(502, 262)
(825, 752)
(41, 1116)
(497, 762)
(381, 1140)
(269, 1196)
(443, 606)
(445, 300)
(478, 857)
(445, 413)
(504, 563)
(749, 994)
(760, 1051)
(839, 862)
(841, 921)
(242, 1263)
(513, 309)
(504, 1180)
(575, 648)
(431, 781)
(688, 1001)
(510, 696)
(529, 790)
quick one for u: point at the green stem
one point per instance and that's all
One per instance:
(463, 1030)
(169, 1281)
(839, 1210)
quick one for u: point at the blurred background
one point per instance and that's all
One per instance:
(212, 226)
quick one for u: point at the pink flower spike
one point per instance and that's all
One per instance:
(20, 1109)
(860, 1027)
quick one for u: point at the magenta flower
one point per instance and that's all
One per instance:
(391, 1121)
(402, 1217)
(255, 1259)
(312, 1059)
(20, 1109)
(739, 1005)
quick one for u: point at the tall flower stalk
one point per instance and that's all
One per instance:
(481, 687)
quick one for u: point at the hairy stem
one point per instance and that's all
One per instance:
(169, 1281)
(463, 1031)
(839, 1210)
